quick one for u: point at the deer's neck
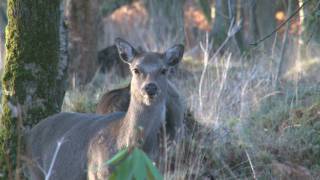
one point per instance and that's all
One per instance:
(149, 118)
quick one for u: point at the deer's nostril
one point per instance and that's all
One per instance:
(151, 89)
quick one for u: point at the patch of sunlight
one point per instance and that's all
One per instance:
(280, 16)
(303, 67)
(213, 12)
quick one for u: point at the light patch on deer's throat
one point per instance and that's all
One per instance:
(163, 114)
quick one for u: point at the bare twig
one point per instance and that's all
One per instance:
(205, 51)
(233, 29)
(281, 25)
(60, 142)
(222, 84)
(251, 165)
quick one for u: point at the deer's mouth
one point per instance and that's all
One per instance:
(149, 99)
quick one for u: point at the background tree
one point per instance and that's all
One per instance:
(266, 22)
(309, 17)
(226, 12)
(82, 17)
(221, 23)
(31, 77)
(166, 18)
(109, 6)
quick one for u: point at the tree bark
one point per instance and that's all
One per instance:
(221, 22)
(108, 7)
(83, 27)
(265, 16)
(239, 17)
(310, 26)
(166, 19)
(252, 22)
(3, 23)
(29, 82)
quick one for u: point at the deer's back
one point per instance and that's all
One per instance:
(77, 131)
(114, 101)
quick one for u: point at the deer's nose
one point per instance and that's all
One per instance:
(151, 89)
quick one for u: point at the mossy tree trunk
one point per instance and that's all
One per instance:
(31, 74)
(3, 23)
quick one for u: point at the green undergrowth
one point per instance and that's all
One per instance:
(286, 129)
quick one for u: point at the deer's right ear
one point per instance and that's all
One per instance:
(125, 50)
(174, 54)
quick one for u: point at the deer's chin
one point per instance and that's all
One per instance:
(149, 100)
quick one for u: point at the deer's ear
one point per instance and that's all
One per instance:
(174, 54)
(125, 50)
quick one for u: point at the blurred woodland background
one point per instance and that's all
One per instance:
(249, 77)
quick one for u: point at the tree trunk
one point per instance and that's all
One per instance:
(221, 22)
(62, 76)
(83, 27)
(265, 15)
(310, 26)
(109, 6)
(239, 15)
(252, 22)
(284, 45)
(166, 19)
(29, 82)
(3, 23)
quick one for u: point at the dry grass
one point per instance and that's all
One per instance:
(239, 127)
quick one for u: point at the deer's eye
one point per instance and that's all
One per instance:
(163, 71)
(136, 71)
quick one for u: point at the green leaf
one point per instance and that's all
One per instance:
(135, 165)
(206, 8)
(139, 165)
(151, 169)
(118, 157)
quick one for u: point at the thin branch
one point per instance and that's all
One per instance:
(251, 165)
(60, 142)
(205, 51)
(233, 29)
(281, 25)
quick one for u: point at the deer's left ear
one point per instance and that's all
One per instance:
(174, 54)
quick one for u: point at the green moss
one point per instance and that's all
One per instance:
(30, 69)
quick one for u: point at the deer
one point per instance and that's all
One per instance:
(86, 141)
(119, 100)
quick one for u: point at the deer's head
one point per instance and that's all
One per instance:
(149, 70)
